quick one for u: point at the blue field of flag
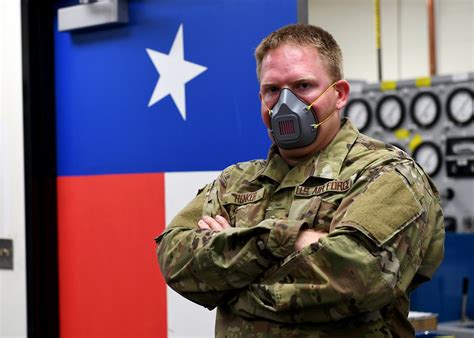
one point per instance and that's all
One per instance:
(166, 92)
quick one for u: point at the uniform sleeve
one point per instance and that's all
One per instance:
(368, 260)
(207, 267)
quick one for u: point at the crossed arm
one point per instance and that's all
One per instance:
(219, 223)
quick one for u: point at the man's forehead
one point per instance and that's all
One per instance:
(297, 62)
(290, 50)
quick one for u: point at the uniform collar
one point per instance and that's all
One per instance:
(276, 168)
(331, 159)
(324, 164)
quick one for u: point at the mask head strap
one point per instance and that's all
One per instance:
(321, 95)
(316, 126)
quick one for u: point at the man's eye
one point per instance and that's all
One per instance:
(304, 86)
(271, 91)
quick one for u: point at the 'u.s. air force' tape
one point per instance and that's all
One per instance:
(336, 186)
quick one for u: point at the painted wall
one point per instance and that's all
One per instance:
(12, 212)
(404, 29)
(181, 187)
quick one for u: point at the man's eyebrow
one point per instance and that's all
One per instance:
(268, 84)
(306, 79)
(297, 81)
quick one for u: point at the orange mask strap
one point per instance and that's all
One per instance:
(270, 112)
(321, 95)
(315, 126)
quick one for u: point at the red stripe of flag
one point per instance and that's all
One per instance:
(110, 284)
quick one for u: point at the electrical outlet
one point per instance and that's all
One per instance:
(6, 254)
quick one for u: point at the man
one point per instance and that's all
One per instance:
(325, 238)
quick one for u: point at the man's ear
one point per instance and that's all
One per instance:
(260, 95)
(342, 88)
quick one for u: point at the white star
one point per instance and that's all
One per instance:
(174, 72)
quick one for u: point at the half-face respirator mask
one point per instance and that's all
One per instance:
(293, 123)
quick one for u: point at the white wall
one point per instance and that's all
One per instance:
(180, 188)
(404, 28)
(12, 212)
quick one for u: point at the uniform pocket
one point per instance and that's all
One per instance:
(315, 211)
(317, 205)
(245, 209)
(325, 216)
(304, 208)
(384, 209)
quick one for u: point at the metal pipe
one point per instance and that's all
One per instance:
(399, 39)
(378, 42)
(432, 37)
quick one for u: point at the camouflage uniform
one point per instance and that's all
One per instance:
(386, 236)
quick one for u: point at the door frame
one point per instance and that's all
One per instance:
(37, 24)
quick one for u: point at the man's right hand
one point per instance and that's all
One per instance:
(307, 237)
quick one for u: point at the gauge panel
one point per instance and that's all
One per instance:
(390, 112)
(425, 109)
(460, 107)
(410, 112)
(359, 112)
(428, 155)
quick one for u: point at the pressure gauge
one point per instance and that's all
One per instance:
(390, 112)
(358, 111)
(425, 109)
(428, 155)
(460, 107)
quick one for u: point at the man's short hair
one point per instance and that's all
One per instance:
(304, 35)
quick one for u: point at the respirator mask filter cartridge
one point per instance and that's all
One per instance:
(292, 122)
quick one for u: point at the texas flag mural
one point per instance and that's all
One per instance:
(147, 113)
